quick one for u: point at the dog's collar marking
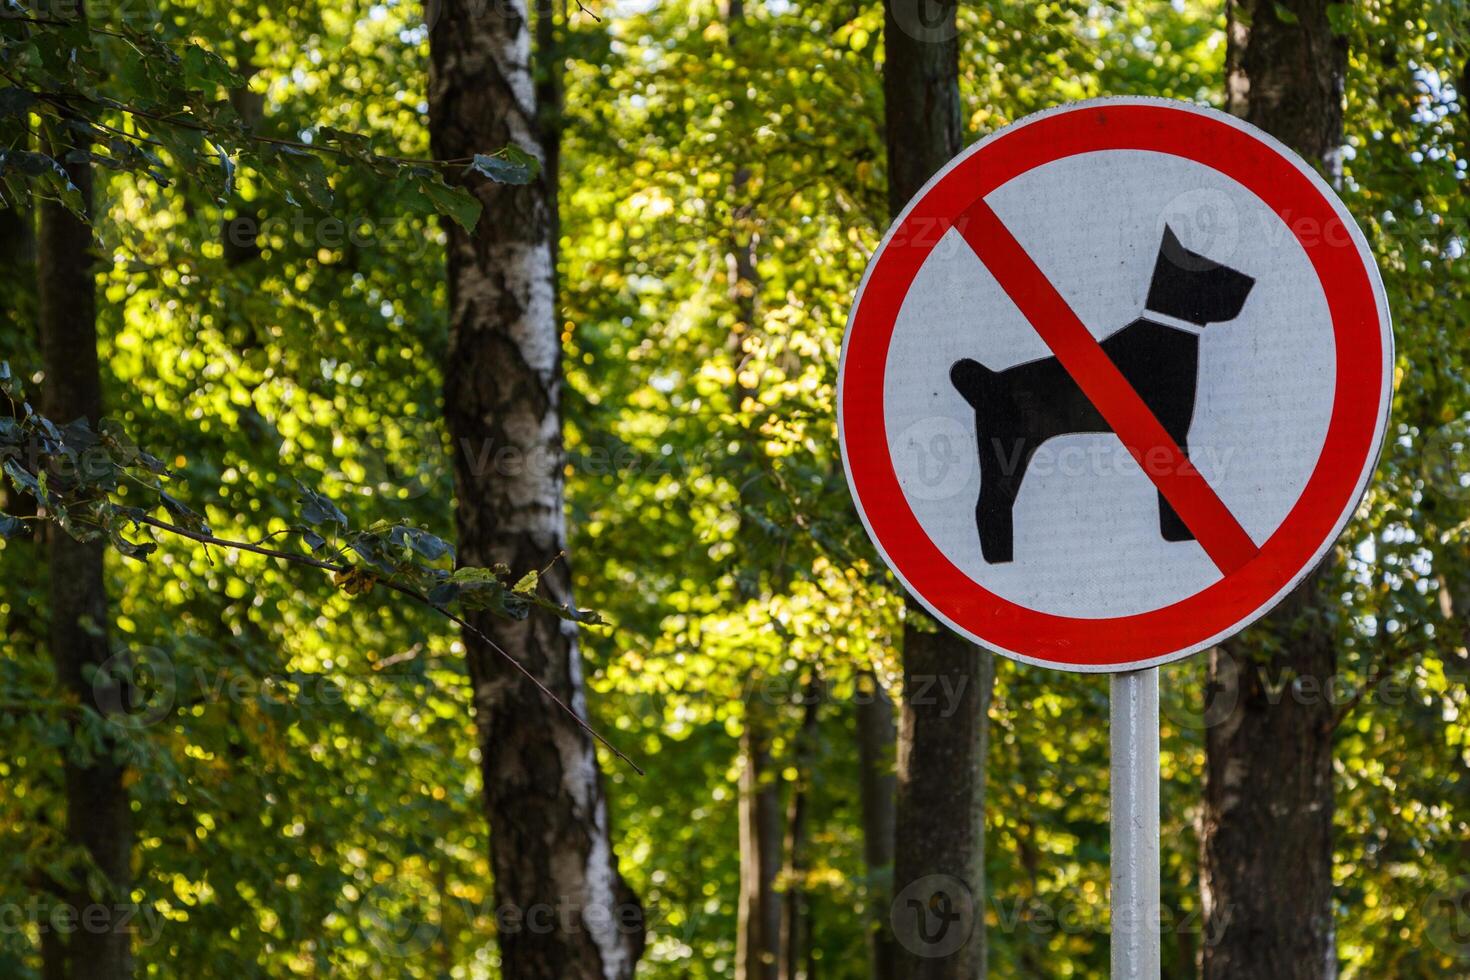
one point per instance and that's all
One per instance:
(1165, 320)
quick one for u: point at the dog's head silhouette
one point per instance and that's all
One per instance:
(1190, 287)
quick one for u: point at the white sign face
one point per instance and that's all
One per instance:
(1114, 382)
(1086, 527)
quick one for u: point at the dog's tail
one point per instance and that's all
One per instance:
(972, 379)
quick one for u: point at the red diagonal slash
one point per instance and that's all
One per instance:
(1192, 497)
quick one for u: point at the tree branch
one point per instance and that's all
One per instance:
(414, 594)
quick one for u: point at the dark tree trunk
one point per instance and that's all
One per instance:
(795, 940)
(758, 940)
(877, 744)
(921, 87)
(943, 741)
(550, 849)
(548, 59)
(1266, 824)
(97, 813)
(947, 680)
(239, 235)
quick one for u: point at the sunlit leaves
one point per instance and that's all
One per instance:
(165, 95)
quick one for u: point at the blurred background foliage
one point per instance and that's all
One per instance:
(306, 787)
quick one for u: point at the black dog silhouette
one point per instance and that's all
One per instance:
(1018, 409)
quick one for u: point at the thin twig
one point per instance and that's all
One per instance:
(461, 622)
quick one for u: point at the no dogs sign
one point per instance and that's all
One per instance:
(1113, 383)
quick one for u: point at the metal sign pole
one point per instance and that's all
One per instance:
(1135, 824)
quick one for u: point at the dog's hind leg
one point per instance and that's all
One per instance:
(1171, 525)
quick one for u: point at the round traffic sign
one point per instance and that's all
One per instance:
(1113, 383)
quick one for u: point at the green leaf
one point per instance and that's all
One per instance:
(355, 145)
(22, 479)
(181, 514)
(369, 548)
(511, 165)
(137, 550)
(1285, 14)
(471, 576)
(318, 510)
(205, 70)
(227, 165)
(50, 177)
(456, 202)
(428, 545)
(9, 384)
(301, 177)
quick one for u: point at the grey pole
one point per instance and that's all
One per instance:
(1135, 824)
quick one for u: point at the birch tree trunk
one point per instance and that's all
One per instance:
(1266, 824)
(943, 732)
(565, 911)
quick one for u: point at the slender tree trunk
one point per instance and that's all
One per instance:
(877, 738)
(98, 818)
(759, 918)
(567, 913)
(947, 681)
(758, 940)
(1266, 824)
(795, 940)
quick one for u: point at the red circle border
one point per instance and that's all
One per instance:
(1361, 334)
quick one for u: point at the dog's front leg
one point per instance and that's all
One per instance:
(1002, 468)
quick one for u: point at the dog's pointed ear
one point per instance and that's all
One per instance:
(1171, 245)
(969, 379)
(1173, 249)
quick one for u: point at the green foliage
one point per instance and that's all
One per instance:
(302, 761)
(88, 483)
(151, 99)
